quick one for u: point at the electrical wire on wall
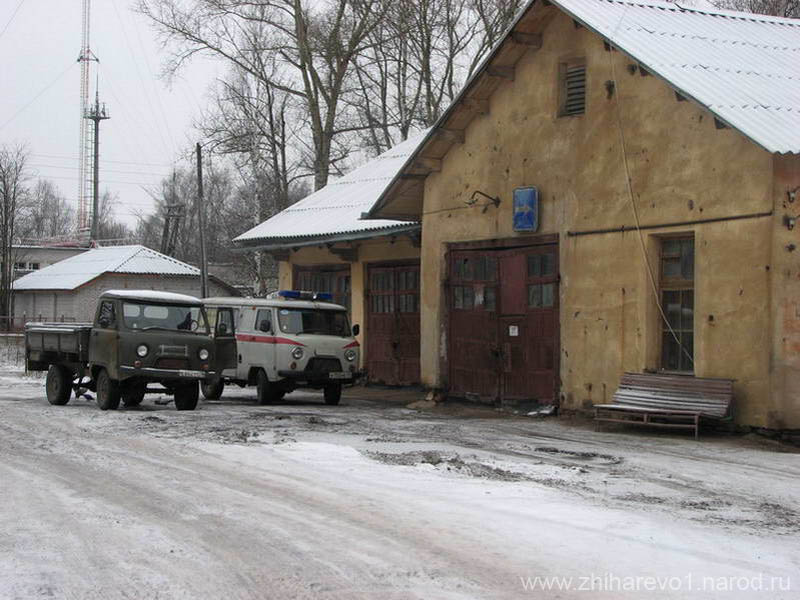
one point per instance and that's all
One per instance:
(634, 209)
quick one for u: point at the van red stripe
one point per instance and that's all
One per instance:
(351, 345)
(266, 339)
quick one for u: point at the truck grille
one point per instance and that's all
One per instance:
(174, 350)
(324, 365)
(172, 363)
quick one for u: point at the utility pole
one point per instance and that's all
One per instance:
(201, 219)
(96, 114)
(173, 213)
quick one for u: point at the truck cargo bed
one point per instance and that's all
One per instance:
(56, 343)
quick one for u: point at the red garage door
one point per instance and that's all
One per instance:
(393, 324)
(503, 313)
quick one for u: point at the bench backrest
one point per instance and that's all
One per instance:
(707, 396)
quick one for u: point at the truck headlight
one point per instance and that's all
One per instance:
(350, 355)
(203, 354)
(142, 350)
(297, 353)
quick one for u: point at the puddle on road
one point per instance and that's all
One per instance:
(448, 462)
(608, 458)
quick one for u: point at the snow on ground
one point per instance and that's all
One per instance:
(373, 500)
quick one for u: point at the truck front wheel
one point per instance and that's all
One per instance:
(186, 396)
(213, 389)
(58, 385)
(108, 394)
(268, 391)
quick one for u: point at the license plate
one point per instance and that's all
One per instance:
(191, 374)
(339, 375)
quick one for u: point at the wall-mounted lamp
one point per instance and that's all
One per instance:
(789, 221)
(793, 194)
(491, 201)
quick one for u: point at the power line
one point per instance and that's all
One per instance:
(139, 76)
(35, 98)
(121, 162)
(14, 14)
(152, 80)
(123, 172)
(125, 118)
(139, 183)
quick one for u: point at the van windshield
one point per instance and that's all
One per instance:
(309, 320)
(171, 317)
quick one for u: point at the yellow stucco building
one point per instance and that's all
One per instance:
(614, 190)
(666, 169)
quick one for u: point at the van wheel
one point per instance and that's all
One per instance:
(212, 390)
(107, 391)
(133, 395)
(58, 385)
(333, 394)
(186, 396)
(268, 391)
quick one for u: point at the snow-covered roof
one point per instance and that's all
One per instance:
(272, 302)
(75, 271)
(334, 212)
(153, 296)
(744, 68)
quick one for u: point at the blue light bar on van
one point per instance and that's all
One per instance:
(290, 294)
(296, 295)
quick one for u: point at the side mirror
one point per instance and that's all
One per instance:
(103, 322)
(264, 326)
(356, 329)
(222, 329)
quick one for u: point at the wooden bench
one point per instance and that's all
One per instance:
(673, 401)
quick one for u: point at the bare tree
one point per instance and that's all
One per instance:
(13, 195)
(775, 8)
(49, 215)
(418, 60)
(314, 44)
(182, 188)
(248, 122)
(109, 230)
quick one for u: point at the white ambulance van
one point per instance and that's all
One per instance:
(283, 342)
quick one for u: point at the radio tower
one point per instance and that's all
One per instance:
(86, 57)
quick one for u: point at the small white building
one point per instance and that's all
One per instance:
(68, 290)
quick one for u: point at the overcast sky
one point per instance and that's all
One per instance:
(150, 125)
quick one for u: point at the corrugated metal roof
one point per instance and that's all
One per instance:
(744, 68)
(336, 209)
(73, 272)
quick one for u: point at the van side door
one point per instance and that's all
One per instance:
(264, 334)
(224, 339)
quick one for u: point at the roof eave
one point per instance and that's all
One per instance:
(269, 244)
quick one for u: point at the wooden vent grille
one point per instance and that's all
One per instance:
(575, 90)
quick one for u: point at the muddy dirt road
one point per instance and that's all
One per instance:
(372, 500)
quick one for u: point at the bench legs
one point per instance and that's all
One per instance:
(690, 422)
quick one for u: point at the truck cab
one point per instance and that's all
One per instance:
(286, 341)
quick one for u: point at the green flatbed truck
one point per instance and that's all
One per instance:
(137, 338)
